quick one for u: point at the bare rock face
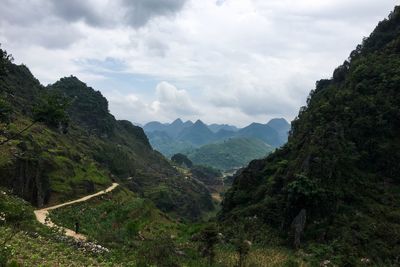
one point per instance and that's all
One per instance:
(297, 227)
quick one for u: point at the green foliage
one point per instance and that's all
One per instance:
(340, 163)
(208, 239)
(159, 251)
(15, 216)
(242, 247)
(88, 107)
(208, 175)
(167, 145)
(182, 160)
(230, 154)
(14, 212)
(96, 148)
(117, 220)
(5, 110)
(52, 110)
(5, 58)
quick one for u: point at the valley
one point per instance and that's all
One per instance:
(81, 187)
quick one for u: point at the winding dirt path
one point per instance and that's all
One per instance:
(42, 214)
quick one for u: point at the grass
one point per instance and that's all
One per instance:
(120, 220)
(40, 250)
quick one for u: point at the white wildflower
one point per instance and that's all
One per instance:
(2, 217)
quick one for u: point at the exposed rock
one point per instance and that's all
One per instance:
(298, 225)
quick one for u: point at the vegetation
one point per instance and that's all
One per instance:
(331, 191)
(60, 142)
(138, 234)
(182, 160)
(340, 164)
(187, 137)
(208, 175)
(230, 154)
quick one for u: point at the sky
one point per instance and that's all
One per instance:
(221, 61)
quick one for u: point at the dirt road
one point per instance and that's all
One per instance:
(42, 214)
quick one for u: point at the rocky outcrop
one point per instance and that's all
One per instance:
(26, 179)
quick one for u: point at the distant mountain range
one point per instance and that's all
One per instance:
(186, 137)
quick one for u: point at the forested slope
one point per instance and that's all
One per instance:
(341, 162)
(61, 156)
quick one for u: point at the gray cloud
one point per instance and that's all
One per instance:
(74, 10)
(139, 12)
(238, 61)
(22, 13)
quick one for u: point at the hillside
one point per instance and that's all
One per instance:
(167, 145)
(230, 154)
(263, 132)
(282, 127)
(185, 137)
(335, 185)
(59, 157)
(198, 134)
(123, 229)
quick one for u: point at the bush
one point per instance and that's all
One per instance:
(159, 251)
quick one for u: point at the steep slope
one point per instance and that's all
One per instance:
(340, 166)
(167, 145)
(282, 127)
(230, 154)
(197, 134)
(47, 164)
(154, 126)
(262, 132)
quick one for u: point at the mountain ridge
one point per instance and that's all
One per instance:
(48, 164)
(332, 190)
(197, 134)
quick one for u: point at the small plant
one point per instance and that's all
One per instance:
(159, 251)
(5, 254)
(242, 247)
(208, 238)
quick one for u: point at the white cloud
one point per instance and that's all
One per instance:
(169, 104)
(238, 60)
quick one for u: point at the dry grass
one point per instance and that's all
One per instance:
(260, 257)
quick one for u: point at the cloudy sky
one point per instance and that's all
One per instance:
(224, 61)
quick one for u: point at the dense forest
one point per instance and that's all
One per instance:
(333, 188)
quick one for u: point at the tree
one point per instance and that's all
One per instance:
(4, 59)
(242, 247)
(208, 238)
(182, 160)
(158, 251)
(5, 110)
(51, 110)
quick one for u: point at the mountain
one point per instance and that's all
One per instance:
(154, 126)
(197, 134)
(224, 134)
(168, 145)
(46, 160)
(184, 137)
(230, 154)
(172, 129)
(218, 127)
(333, 189)
(282, 127)
(263, 132)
